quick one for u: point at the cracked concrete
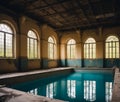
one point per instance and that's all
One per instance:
(12, 95)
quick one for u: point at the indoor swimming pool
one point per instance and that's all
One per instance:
(81, 86)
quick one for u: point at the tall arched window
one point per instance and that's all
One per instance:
(71, 45)
(90, 49)
(112, 47)
(6, 41)
(51, 48)
(32, 45)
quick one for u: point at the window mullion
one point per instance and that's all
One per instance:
(34, 48)
(92, 50)
(88, 51)
(112, 48)
(13, 46)
(115, 50)
(53, 50)
(108, 50)
(5, 45)
(29, 47)
(70, 51)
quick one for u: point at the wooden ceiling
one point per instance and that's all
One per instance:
(68, 14)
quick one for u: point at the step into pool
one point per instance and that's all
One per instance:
(79, 86)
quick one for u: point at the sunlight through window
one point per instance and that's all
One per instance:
(112, 47)
(6, 41)
(71, 49)
(32, 49)
(90, 49)
(51, 48)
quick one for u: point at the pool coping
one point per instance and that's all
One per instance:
(17, 74)
(116, 86)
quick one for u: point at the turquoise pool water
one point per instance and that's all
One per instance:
(76, 87)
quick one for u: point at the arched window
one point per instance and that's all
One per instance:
(90, 49)
(51, 48)
(71, 45)
(32, 45)
(112, 47)
(6, 41)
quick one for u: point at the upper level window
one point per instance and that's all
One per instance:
(112, 47)
(90, 49)
(51, 48)
(71, 45)
(32, 47)
(6, 41)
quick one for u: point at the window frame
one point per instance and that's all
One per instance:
(53, 44)
(89, 49)
(5, 33)
(29, 40)
(110, 47)
(69, 49)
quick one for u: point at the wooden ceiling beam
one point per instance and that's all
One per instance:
(68, 10)
(91, 7)
(54, 17)
(48, 6)
(84, 26)
(81, 7)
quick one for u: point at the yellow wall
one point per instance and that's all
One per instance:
(23, 24)
(20, 62)
(46, 32)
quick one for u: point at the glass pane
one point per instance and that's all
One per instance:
(5, 28)
(51, 49)
(112, 47)
(50, 39)
(6, 40)
(1, 44)
(90, 48)
(71, 48)
(94, 50)
(9, 45)
(71, 41)
(112, 38)
(85, 51)
(32, 34)
(31, 49)
(72, 51)
(68, 51)
(90, 40)
(35, 45)
(28, 47)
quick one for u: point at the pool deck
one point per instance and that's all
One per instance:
(116, 86)
(12, 95)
